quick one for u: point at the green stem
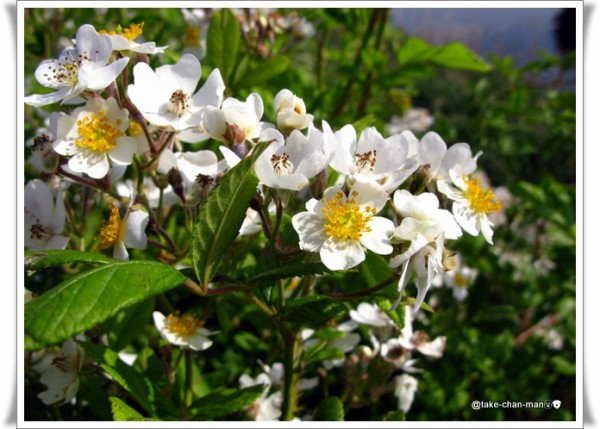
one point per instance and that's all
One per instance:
(290, 375)
(343, 296)
(188, 378)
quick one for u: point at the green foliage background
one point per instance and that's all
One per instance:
(357, 69)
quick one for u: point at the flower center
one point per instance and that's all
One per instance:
(345, 219)
(111, 228)
(481, 200)
(282, 164)
(67, 71)
(192, 36)
(180, 103)
(460, 280)
(130, 33)
(39, 232)
(183, 325)
(97, 133)
(365, 162)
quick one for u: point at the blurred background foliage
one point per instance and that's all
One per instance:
(513, 337)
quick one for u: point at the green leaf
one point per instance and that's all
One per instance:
(222, 42)
(458, 56)
(313, 311)
(330, 409)
(124, 413)
(139, 387)
(93, 296)
(223, 402)
(221, 216)
(287, 271)
(394, 416)
(37, 260)
(325, 354)
(262, 73)
(124, 327)
(453, 55)
(415, 50)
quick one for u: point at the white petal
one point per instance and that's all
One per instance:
(101, 78)
(211, 93)
(37, 100)
(183, 75)
(341, 254)
(377, 240)
(135, 225)
(465, 217)
(370, 194)
(122, 153)
(309, 227)
(415, 246)
(432, 151)
(434, 349)
(198, 342)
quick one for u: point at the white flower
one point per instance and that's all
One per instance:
(290, 164)
(197, 21)
(266, 407)
(434, 153)
(406, 387)
(341, 228)
(166, 96)
(423, 228)
(78, 69)
(370, 314)
(198, 169)
(472, 203)
(93, 136)
(236, 121)
(415, 119)
(150, 190)
(44, 218)
(128, 232)
(183, 331)
(252, 223)
(62, 375)
(373, 158)
(123, 40)
(414, 341)
(291, 112)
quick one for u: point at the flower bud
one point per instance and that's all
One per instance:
(176, 181)
(234, 135)
(43, 150)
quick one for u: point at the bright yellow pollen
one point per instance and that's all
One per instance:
(481, 200)
(345, 219)
(97, 133)
(134, 128)
(130, 33)
(183, 325)
(111, 228)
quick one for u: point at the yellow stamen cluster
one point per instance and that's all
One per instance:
(97, 133)
(192, 34)
(134, 128)
(183, 325)
(111, 228)
(345, 219)
(481, 200)
(130, 33)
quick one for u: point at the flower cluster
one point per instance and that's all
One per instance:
(348, 192)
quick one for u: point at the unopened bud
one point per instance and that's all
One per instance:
(176, 181)
(141, 58)
(319, 185)
(202, 186)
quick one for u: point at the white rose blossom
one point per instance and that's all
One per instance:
(472, 203)
(93, 136)
(44, 218)
(289, 163)
(291, 112)
(423, 229)
(124, 40)
(183, 330)
(167, 96)
(78, 69)
(61, 376)
(372, 158)
(235, 121)
(342, 227)
(128, 232)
